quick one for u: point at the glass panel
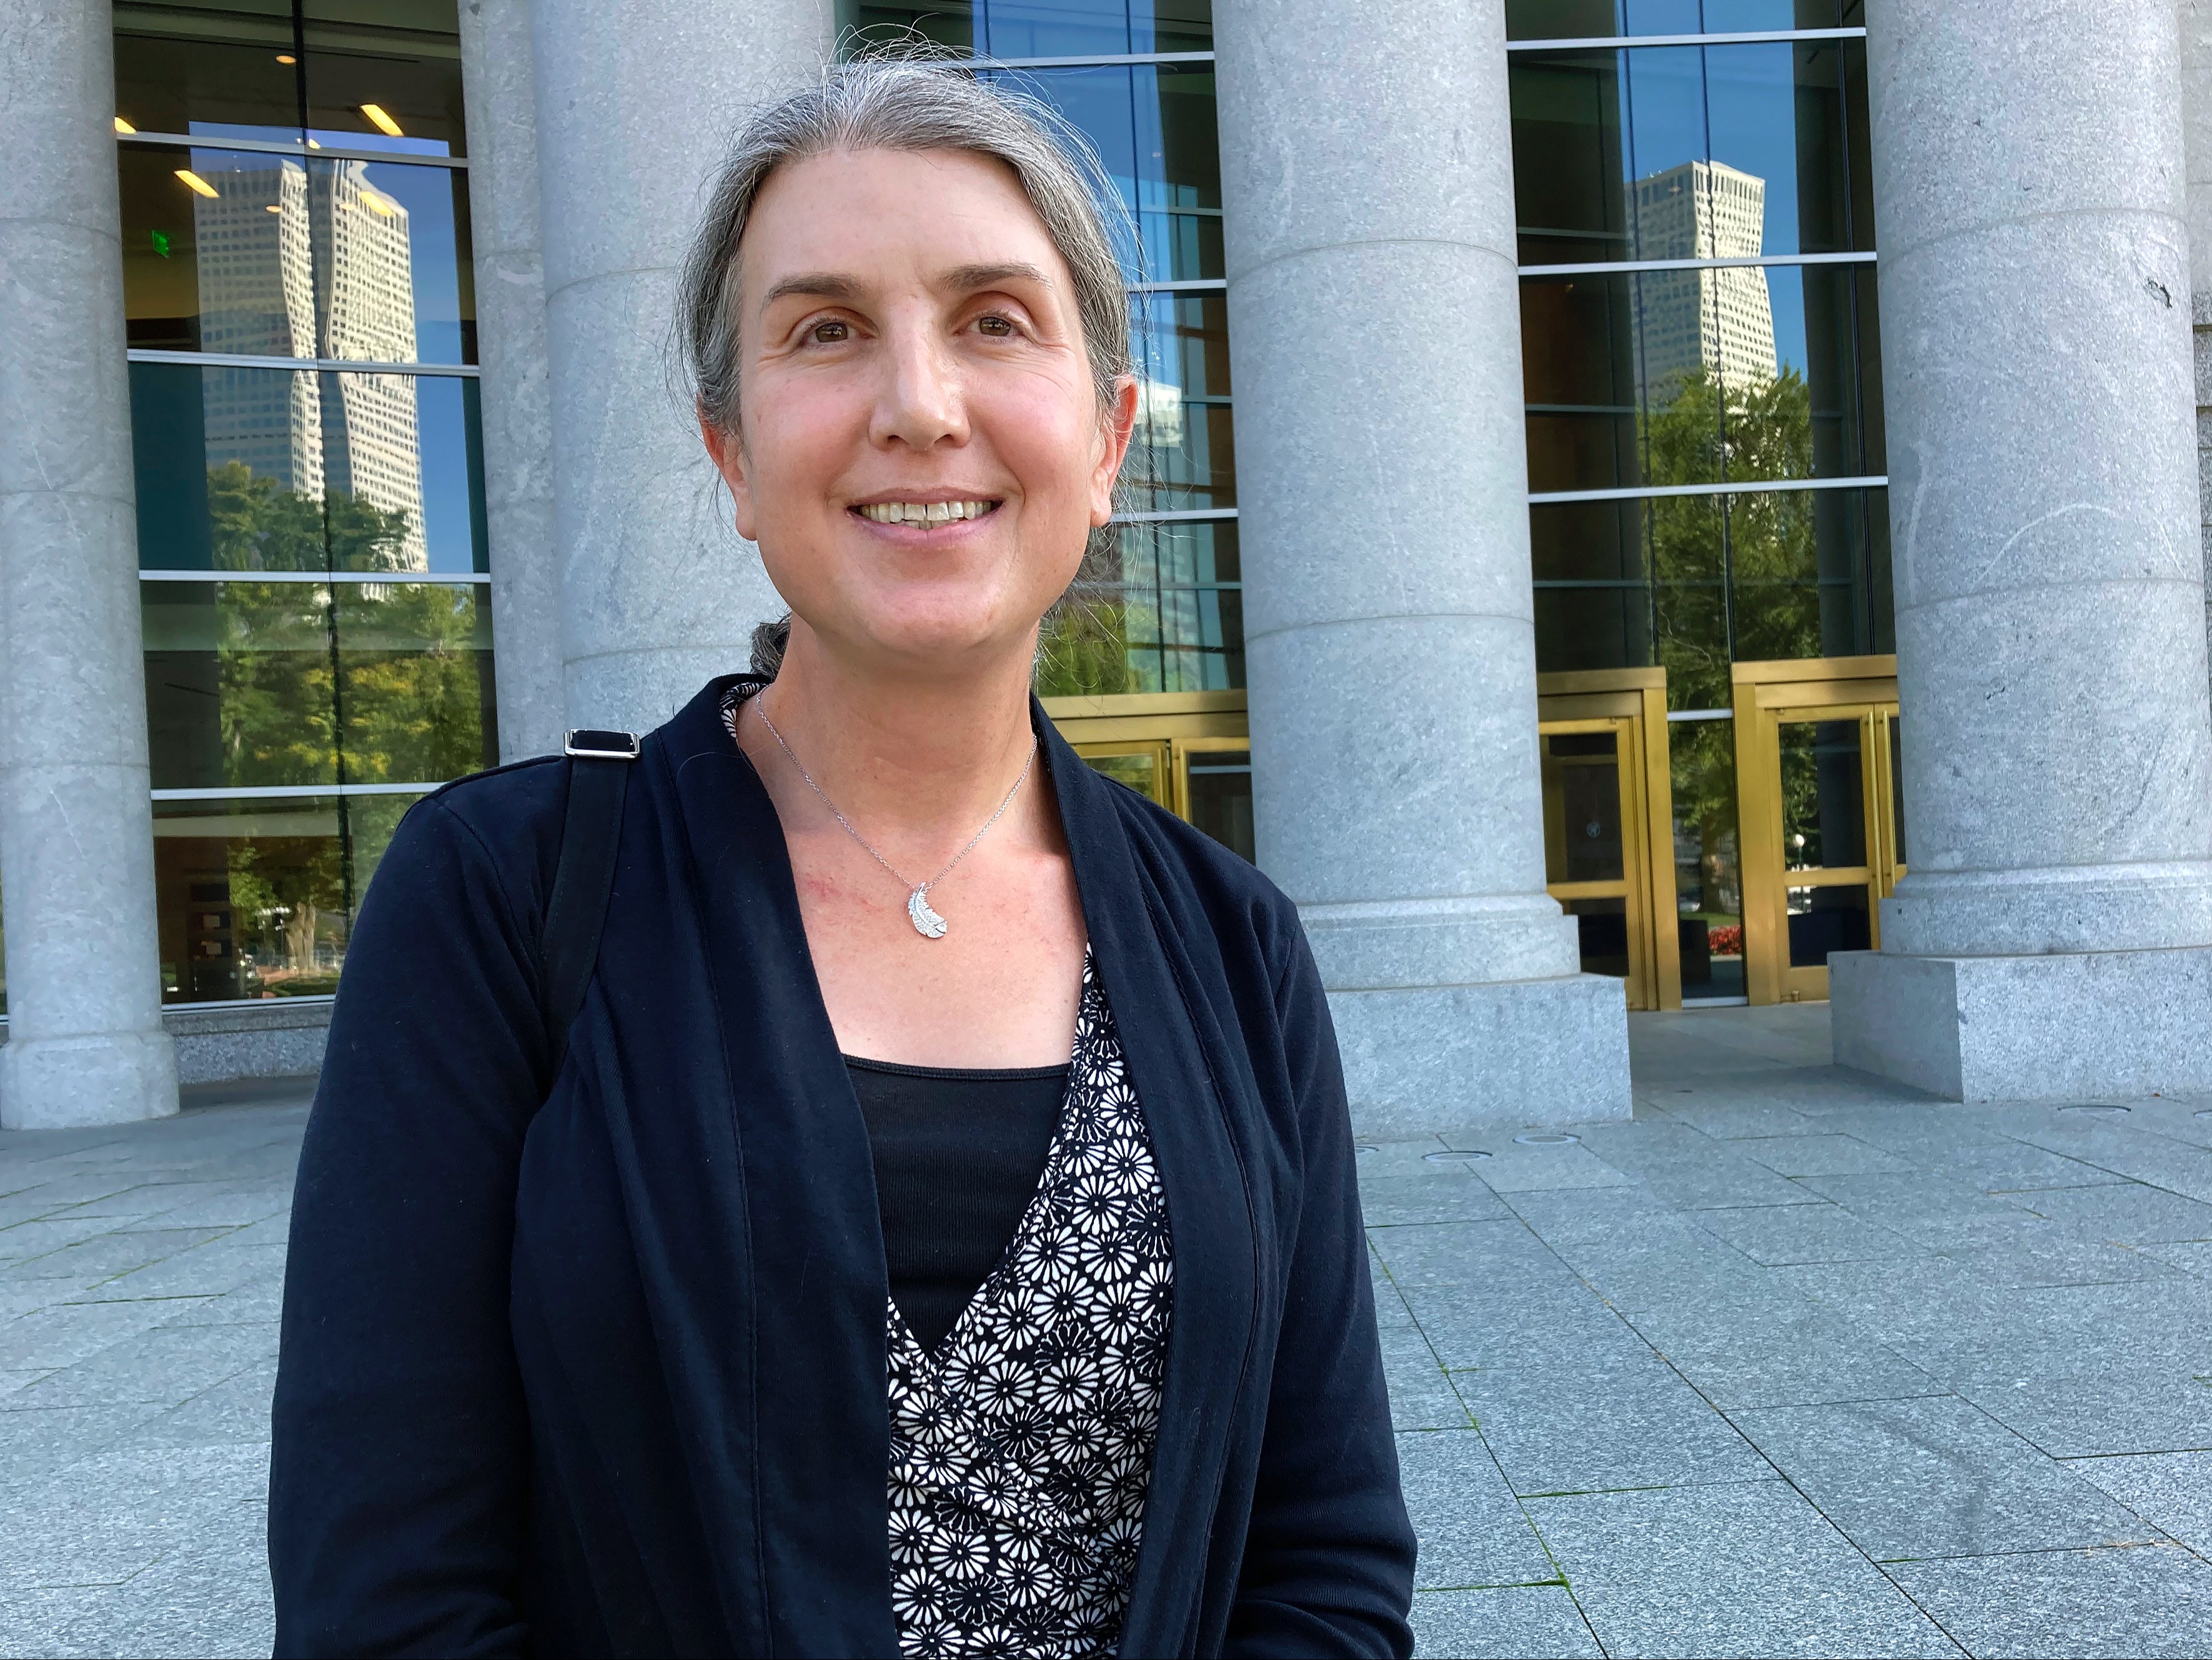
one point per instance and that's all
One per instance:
(1602, 927)
(1897, 789)
(263, 256)
(393, 263)
(1708, 878)
(893, 24)
(1823, 920)
(217, 251)
(256, 898)
(248, 469)
(227, 74)
(1808, 574)
(1584, 19)
(372, 58)
(261, 684)
(1689, 599)
(1689, 152)
(1221, 797)
(1058, 29)
(239, 683)
(1153, 127)
(1592, 601)
(1139, 770)
(414, 681)
(1582, 807)
(1160, 608)
(1823, 795)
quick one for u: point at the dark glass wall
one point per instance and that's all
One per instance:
(310, 507)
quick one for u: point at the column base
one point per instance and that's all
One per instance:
(70, 1083)
(2047, 1028)
(1501, 1055)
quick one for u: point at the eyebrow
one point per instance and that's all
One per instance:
(968, 279)
(813, 285)
(965, 279)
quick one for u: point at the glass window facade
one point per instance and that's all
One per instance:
(306, 444)
(1700, 343)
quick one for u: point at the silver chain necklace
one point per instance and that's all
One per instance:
(926, 922)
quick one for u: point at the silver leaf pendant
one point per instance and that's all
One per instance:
(926, 922)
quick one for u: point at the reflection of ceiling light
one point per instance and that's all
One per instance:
(286, 57)
(274, 207)
(383, 123)
(122, 125)
(196, 181)
(376, 204)
(314, 143)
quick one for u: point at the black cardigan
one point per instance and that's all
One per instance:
(607, 1375)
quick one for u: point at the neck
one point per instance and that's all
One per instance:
(921, 758)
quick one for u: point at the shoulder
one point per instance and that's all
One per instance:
(499, 830)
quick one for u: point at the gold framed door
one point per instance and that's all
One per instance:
(1608, 817)
(1189, 752)
(1821, 823)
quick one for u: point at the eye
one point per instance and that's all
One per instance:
(997, 327)
(830, 331)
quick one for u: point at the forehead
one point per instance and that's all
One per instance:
(891, 215)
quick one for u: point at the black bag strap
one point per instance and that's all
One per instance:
(568, 949)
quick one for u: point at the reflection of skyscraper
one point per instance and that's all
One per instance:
(1722, 321)
(313, 262)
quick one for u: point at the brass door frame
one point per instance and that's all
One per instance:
(1632, 702)
(1768, 696)
(1170, 727)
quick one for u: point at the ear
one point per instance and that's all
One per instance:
(727, 451)
(1116, 425)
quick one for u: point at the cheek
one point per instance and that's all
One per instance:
(1046, 438)
(797, 441)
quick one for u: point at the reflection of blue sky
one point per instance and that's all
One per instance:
(1713, 17)
(442, 422)
(1117, 108)
(1736, 105)
(427, 193)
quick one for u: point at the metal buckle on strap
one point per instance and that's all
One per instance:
(588, 745)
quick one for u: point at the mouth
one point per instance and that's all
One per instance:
(924, 516)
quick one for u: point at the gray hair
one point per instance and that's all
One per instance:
(909, 106)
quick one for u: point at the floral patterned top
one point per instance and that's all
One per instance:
(1022, 1446)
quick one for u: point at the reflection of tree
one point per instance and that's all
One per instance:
(318, 683)
(1734, 577)
(1083, 650)
(372, 683)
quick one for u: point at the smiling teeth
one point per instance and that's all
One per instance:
(923, 513)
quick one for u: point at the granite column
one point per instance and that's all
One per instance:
(86, 1043)
(499, 86)
(635, 105)
(2053, 937)
(1367, 191)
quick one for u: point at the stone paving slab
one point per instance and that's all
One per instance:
(1512, 1622)
(1747, 1569)
(2148, 1601)
(1699, 1383)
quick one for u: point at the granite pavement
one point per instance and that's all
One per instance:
(1795, 1363)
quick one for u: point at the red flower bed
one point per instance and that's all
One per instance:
(1725, 939)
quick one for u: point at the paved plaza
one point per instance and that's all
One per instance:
(1794, 1364)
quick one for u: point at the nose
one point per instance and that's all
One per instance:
(921, 402)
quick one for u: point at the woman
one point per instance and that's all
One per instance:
(801, 1295)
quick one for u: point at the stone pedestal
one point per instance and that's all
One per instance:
(635, 104)
(86, 1043)
(2050, 624)
(1367, 191)
(499, 84)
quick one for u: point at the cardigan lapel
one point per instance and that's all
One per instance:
(821, 1433)
(1210, 1212)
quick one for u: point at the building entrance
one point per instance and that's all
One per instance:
(1822, 825)
(1608, 819)
(1189, 752)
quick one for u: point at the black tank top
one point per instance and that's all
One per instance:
(958, 1153)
